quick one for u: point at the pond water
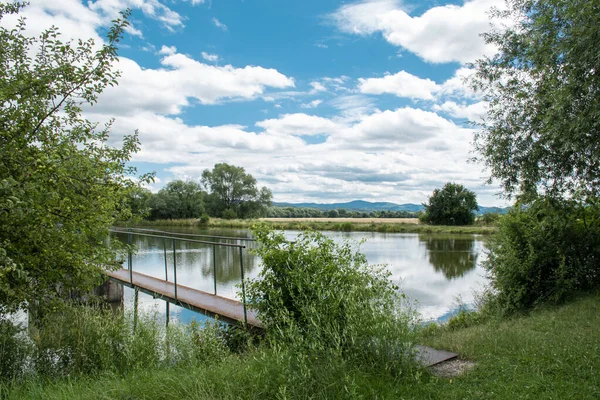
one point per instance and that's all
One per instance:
(433, 270)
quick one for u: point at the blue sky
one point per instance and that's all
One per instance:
(320, 100)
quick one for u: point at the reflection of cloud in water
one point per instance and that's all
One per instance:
(434, 270)
(150, 306)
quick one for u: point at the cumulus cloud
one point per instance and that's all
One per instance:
(167, 50)
(441, 34)
(405, 84)
(168, 89)
(473, 112)
(402, 84)
(299, 125)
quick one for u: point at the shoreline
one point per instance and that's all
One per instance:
(381, 225)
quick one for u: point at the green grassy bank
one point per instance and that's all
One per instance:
(393, 227)
(553, 353)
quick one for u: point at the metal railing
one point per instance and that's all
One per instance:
(166, 236)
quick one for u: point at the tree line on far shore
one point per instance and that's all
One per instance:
(228, 192)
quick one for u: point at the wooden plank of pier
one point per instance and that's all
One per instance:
(228, 310)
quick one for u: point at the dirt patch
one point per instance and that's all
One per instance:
(411, 221)
(452, 368)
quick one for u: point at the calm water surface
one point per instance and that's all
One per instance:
(433, 270)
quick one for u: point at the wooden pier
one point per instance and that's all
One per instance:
(227, 310)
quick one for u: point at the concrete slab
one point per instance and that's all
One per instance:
(426, 356)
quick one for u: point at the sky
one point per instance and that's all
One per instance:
(320, 100)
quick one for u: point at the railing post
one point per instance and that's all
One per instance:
(215, 266)
(168, 312)
(135, 308)
(174, 268)
(243, 287)
(129, 256)
(165, 254)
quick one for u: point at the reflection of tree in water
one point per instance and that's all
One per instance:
(199, 257)
(454, 257)
(192, 256)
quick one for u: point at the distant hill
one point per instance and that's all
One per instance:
(361, 205)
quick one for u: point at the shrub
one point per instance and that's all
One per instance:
(229, 214)
(14, 350)
(544, 254)
(488, 219)
(204, 218)
(323, 298)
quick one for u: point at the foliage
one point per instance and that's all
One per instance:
(61, 185)
(204, 219)
(543, 88)
(89, 341)
(178, 199)
(547, 354)
(303, 212)
(229, 214)
(231, 188)
(323, 298)
(139, 202)
(544, 253)
(489, 219)
(452, 205)
(14, 350)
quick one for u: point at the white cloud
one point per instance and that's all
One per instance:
(299, 125)
(441, 34)
(404, 84)
(168, 89)
(473, 112)
(210, 57)
(401, 84)
(399, 127)
(312, 104)
(317, 87)
(219, 24)
(167, 50)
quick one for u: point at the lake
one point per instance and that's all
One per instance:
(435, 271)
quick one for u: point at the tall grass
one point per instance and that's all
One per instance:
(87, 341)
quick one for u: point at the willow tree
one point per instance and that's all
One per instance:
(541, 140)
(61, 184)
(542, 131)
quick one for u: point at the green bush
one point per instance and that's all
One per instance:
(544, 254)
(229, 214)
(204, 218)
(323, 298)
(14, 350)
(488, 219)
(89, 341)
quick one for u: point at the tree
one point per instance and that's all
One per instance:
(540, 140)
(61, 185)
(543, 87)
(231, 188)
(452, 205)
(178, 199)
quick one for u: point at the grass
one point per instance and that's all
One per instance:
(551, 353)
(327, 225)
